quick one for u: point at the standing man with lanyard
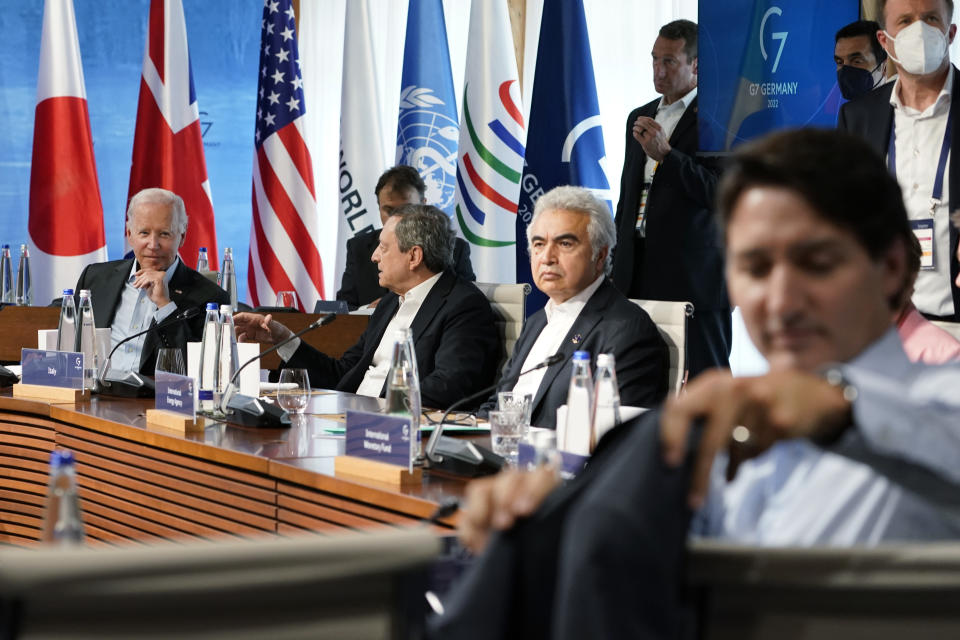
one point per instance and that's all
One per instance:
(668, 245)
(914, 122)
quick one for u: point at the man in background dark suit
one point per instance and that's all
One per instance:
(668, 246)
(570, 237)
(454, 333)
(132, 295)
(921, 107)
(396, 187)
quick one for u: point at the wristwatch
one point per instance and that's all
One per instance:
(835, 377)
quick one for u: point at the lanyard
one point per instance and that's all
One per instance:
(941, 164)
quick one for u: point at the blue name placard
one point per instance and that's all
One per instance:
(375, 436)
(52, 368)
(570, 463)
(176, 394)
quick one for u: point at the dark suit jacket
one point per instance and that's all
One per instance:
(871, 118)
(609, 323)
(601, 558)
(454, 336)
(188, 289)
(683, 255)
(360, 284)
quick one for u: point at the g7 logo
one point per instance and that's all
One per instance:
(777, 35)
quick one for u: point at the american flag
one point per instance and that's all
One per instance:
(283, 248)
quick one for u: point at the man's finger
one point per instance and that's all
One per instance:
(721, 418)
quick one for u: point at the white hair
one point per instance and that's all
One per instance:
(600, 227)
(159, 196)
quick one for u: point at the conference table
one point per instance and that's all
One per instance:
(138, 482)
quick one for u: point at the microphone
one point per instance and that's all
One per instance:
(131, 384)
(250, 411)
(462, 457)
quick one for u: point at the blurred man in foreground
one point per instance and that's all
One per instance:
(844, 442)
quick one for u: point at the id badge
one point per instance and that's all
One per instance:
(923, 229)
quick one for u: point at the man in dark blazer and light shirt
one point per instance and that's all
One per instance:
(134, 294)
(396, 187)
(668, 244)
(453, 328)
(570, 238)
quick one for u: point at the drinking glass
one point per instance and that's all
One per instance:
(506, 428)
(170, 360)
(287, 299)
(522, 402)
(544, 443)
(293, 392)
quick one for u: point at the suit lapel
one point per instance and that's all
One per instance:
(686, 122)
(532, 328)
(585, 323)
(432, 305)
(113, 283)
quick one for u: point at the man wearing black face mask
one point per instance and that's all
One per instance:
(861, 61)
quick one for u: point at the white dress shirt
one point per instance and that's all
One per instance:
(560, 318)
(919, 138)
(134, 314)
(410, 303)
(667, 117)
(905, 433)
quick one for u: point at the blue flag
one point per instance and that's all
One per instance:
(564, 139)
(427, 132)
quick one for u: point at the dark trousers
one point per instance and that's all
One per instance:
(709, 336)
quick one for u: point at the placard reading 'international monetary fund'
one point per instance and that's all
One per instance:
(375, 436)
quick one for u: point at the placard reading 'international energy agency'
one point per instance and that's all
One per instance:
(176, 393)
(767, 65)
(52, 368)
(379, 437)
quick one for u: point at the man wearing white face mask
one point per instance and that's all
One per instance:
(915, 124)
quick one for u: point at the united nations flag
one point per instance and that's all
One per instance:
(427, 131)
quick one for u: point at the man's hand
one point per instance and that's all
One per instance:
(494, 504)
(155, 285)
(651, 137)
(785, 404)
(253, 327)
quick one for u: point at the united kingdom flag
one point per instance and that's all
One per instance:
(168, 144)
(283, 236)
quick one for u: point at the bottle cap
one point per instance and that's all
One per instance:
(606, 360)
(211, 306)
(225, 308)
(68, 292)
(60, 458)
(204, 249)
(84, 293)
(5, 246)
(581, 355)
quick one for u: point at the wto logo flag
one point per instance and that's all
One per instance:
(564, 138)
(66, 215)
(283, 236)
(491, 147)
(168, 144)
(427, 131)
